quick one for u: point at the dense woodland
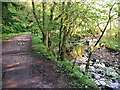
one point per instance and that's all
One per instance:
(67, 33)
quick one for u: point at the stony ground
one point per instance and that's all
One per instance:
(108, 57)
(106, 70)
(22, 69)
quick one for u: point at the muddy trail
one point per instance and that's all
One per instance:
(22, 69)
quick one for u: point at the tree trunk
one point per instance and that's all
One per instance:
(35, 16)
(45, 36)
(103, 31)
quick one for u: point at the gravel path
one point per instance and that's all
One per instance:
(22, 69)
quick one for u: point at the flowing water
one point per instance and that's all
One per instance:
(104, 68)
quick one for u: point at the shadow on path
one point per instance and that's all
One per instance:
(22, 69)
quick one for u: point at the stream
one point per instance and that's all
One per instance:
(104, 68)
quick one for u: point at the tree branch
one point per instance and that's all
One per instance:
(35, 16)
(109, 18)
(90, 54)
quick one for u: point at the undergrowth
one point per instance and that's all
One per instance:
(112, 39)
(10, 35)
(78, 78)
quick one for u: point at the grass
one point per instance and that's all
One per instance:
(38, 47)
(7, 36)
(112, 39)
(78, 79)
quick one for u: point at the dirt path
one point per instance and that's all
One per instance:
(22, 69)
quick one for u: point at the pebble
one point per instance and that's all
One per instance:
(101, 82)
(83, 67)
(92, 68)
(97, 60)
(114, 86)
(97, 76)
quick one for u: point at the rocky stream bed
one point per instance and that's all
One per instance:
(104, 68)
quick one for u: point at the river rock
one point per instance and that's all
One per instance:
(97, 60)
(111, 72)
(101, 65)
(114, 86)
(92, 68)
(97, 76)
(107, 64)
(82, 66)
(102, 82)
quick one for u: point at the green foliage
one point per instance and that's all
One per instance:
(7, 13)
(58, 28)
(65, 24)
(64, 67)
(6, 29)
(112, 39)
(38, 46)
(41, 50)
(13, 18)
(36, 40)
(78, 78)
(7, 36)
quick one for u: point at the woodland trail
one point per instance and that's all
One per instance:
(22, 69)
